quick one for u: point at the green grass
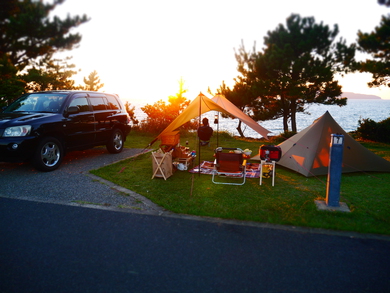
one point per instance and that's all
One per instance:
(289, 202)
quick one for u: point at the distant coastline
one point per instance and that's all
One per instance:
(355, 96)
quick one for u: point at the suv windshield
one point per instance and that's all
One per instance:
(38, 102)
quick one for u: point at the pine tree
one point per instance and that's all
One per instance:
(296, 68)
(30, 35)
(93, 82)
(377, 44)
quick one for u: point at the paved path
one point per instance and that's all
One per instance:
(59, 248)
(72, 183)
(49, 243)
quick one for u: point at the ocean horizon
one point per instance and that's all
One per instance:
(347, 117)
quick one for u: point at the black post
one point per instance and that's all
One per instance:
(216, 121)
(198, 140)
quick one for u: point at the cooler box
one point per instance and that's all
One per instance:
(170, 138)
(270, 152)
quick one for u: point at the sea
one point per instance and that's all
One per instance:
(347, 117)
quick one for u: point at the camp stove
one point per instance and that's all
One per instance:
(270, 153)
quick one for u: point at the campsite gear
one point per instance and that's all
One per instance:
(180, 152)
(181, 167)
(270, 153)
(307, 152)
(201, 104)
(162, 164)
(185, 162)
(230, 165)
(216, 118)
(170, 140)
(204, 142)
(267, 170)
(247, 152)
(252, 170)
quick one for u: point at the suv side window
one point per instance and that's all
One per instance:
(81, 103)
(98, 103)
(113, 103)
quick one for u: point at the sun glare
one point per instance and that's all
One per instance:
(144, 62)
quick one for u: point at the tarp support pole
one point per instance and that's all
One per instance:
(198, 141)
(216, 121)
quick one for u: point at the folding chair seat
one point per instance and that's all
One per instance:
(230, 165)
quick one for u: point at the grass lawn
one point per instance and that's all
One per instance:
(289, 202)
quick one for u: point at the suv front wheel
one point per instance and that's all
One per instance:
(116, 142)
(49, 154)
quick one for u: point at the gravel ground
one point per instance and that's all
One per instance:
(73, 184)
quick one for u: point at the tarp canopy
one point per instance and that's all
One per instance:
(307, 152)
(236, 112)
(202, 104)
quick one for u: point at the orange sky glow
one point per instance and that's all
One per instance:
(141, 49)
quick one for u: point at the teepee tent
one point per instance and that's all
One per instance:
(307, 152)
(201, 105)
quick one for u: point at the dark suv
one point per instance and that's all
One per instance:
(42, 126)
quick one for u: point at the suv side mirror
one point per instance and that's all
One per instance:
(71, 110)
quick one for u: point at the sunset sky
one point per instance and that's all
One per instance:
(141, 49)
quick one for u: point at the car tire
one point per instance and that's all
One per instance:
(116, 142)
(49, 154)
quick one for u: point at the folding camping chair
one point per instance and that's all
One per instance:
(230, 165)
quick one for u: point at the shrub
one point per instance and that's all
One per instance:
(161, 114)
(383, 132)
(367, 129)
(375, 131)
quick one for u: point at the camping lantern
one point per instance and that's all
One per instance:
(216, 119)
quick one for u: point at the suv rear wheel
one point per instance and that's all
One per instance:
(116, 142)
(49, 154)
